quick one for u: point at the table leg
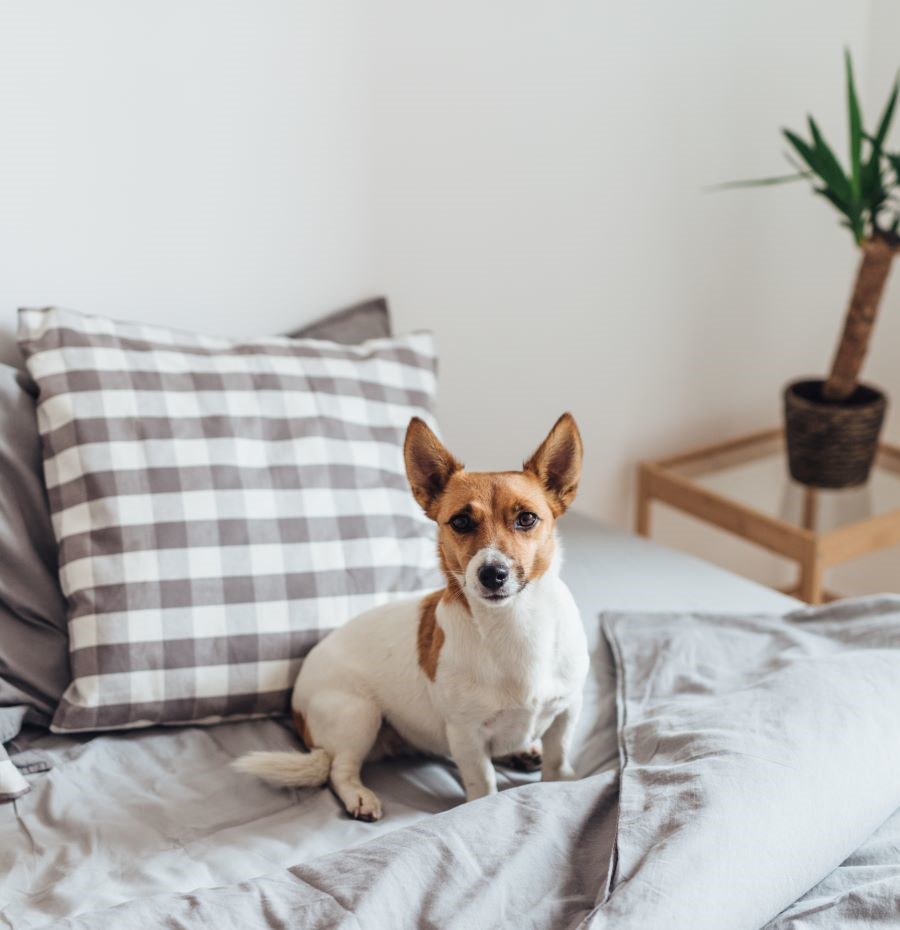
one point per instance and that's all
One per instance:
(810, 508)
(811, 576)
(642, 525)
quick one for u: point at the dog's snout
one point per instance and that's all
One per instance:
(493, 575)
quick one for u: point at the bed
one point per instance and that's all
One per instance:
(737, 752)
(126, 816)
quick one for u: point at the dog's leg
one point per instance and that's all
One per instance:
(528, 760)
(557, 741)
(346, 725)
(472, 756)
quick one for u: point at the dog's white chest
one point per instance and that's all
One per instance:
(513, 728)
(510, 681)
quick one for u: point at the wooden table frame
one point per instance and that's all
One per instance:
(814, 552)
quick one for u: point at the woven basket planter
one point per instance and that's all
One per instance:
(832, 445)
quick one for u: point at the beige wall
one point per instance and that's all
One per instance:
(524, 178)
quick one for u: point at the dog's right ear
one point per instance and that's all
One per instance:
(557, 463)
(429, 466)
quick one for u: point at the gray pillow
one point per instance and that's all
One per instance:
(219, 507)
(34, 658)
(34, 651)
(367, 320)
(34, 648)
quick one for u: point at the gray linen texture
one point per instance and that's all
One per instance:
(759, 789)
(167, 813)
(759, 759)
(219, 506)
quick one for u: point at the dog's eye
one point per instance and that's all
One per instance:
(462, 523)
(526, 520)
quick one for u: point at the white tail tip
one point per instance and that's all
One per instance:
(287, 769)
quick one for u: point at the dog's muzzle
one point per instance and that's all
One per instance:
(491, 575)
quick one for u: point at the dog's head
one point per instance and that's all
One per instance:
(495, 529)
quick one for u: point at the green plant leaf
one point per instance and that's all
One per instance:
(854, 218)
(873, 192)
(803, 149)
(884, 124)
(836, 202)
(760, 182)
(830, 170)
(894, 162)
(871, 184)
(856, 133)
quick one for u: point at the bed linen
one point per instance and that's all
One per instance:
(758, 753)
(156, 821)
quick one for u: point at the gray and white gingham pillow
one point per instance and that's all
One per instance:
(219, 507)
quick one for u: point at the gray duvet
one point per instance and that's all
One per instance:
(738, 771)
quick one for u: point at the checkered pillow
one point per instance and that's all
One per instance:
(219, 507)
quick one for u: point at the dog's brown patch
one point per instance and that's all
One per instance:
(494, 500)
(303, 730)
(430, 636)
(453, 593)
(557, 463)
(428, 464)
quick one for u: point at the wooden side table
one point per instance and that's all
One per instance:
(722, 485)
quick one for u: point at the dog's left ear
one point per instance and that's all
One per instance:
(557, 463)
(429, 466)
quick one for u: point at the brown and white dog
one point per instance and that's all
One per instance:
(488, 667)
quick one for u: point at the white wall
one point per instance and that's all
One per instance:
(884, 64)
(198, 163)
(881, 571)
(522, 177)
(540, 206)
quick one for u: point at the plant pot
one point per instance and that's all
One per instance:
(832, 445)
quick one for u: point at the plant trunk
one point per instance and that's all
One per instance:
(874, 266)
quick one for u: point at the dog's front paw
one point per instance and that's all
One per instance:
(563, 772)
(528, 761)
(365, 806)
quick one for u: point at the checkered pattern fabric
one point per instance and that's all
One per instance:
(219, 507)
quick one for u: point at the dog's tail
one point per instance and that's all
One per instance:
(287, 769)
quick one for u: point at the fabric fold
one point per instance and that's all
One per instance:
(528, 857)
(757, 754)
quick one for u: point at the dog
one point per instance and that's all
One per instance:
(492, 666)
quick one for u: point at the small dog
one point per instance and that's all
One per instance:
(486, 668)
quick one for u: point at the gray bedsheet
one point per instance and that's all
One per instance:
(131, 818)
(757, 754)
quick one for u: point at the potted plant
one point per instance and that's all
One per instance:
(833, 425)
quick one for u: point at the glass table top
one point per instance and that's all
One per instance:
(755, 473)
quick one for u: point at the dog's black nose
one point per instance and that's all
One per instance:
(492, 576)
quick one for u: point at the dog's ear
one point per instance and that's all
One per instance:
(429, 466)
(557, 463)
